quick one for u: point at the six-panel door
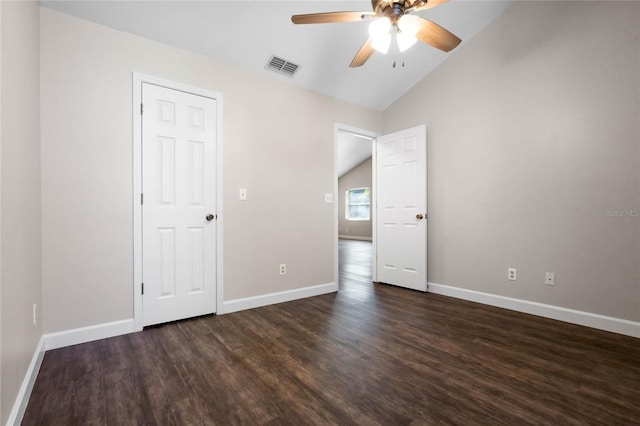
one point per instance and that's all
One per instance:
(178, 181)
(401, 225)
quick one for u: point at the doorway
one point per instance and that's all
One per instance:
(354, 212)
(397, 205)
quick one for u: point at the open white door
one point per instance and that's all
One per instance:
(401, 223)
(179, 133)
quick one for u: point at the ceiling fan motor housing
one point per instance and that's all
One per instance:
(394, 9)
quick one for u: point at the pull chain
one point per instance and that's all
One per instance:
(396, 49)
(394, 46)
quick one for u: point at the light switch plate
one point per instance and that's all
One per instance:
(243, 194)
(328, 197)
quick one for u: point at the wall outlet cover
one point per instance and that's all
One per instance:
(550, 278)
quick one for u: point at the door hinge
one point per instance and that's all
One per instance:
(142, 288)
(141, 109)
(141, 199)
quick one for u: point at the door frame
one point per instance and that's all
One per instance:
(343, 128)
(138, 80)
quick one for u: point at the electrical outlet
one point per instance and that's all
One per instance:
(549, 278)
(35, 314)
(283, 269)
(512, 274)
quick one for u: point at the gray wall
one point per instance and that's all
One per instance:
(358, 177)
(533, 132)
(20, 282)
(87, 171)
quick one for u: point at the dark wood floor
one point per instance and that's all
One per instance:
(370, 354)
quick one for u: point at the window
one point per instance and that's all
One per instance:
(358, 204)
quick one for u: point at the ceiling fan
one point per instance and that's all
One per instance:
(390, 20)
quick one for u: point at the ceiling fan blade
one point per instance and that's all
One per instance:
(436, 36)
(363, 54)
(428, 4)
(329, 17)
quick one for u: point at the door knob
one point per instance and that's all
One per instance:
(210, 217)
(419, 216)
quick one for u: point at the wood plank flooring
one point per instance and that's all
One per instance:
(370, 354)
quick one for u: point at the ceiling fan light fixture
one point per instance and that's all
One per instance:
(408, 27)
(379, 31)
(393, 23)
(382, 43)
(405, 40)
(409, 24)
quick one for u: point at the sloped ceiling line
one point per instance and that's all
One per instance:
(244, 33)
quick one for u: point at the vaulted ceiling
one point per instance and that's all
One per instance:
(246, 34)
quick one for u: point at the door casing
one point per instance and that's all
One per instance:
(138, 79)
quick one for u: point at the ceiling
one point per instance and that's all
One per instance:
(351, 150)
(246, 34)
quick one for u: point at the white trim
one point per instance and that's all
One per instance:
(59, 340)
(279, 297)
(138, 79)
(87, 334)
(343, 128)
(374, 210)
(136, 138)
(354, 237)
(22, 399)
(587, 319)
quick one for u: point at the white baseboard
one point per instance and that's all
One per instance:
(117, 328)
(102, 331)
(354, 237)
(22, 399)
(588, 319)
(87, 334)
(272, 298)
